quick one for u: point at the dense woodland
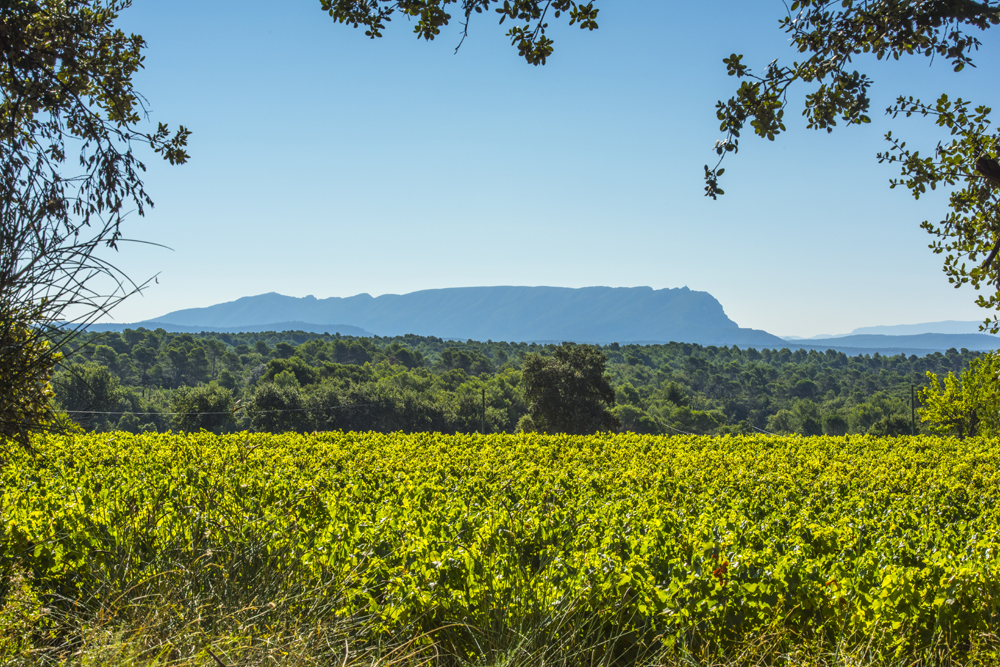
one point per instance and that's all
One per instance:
(294, 381)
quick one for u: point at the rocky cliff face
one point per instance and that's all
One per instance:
(590, 314)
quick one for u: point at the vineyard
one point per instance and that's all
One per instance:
(360, 548)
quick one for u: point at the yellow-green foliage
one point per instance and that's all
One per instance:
(21, 614)
(682, 537)
(966, 406)
(26, 364)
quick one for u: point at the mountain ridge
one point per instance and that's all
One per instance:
(950, 327)
(942, 327)
(891, 345)
(589, 314)
(602, 315)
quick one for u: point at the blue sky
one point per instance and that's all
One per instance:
(329, 164)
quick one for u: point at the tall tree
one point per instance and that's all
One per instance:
(968, 405)
(208, 406)
(69, 122)
(92, 395)
(569, 392)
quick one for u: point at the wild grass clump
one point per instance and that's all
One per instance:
(235, 603)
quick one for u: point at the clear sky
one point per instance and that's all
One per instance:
(329, 164)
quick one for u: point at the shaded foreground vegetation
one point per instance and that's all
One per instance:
(499, 550)
(144, 380)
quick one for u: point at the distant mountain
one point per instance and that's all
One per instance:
(590, 314)
(546, 314)
(945, 327)
(343, 329)
(919, 339)
(919, 344)
(816, 337)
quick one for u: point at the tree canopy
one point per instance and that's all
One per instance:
(144, 380)
(965, 406)
(528, 18)
(569, 392)
(69, 172)
(830, 35)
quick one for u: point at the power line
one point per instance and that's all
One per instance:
(223, 412)
(678, 430)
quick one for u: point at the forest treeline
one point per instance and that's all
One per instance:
(142, 380)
